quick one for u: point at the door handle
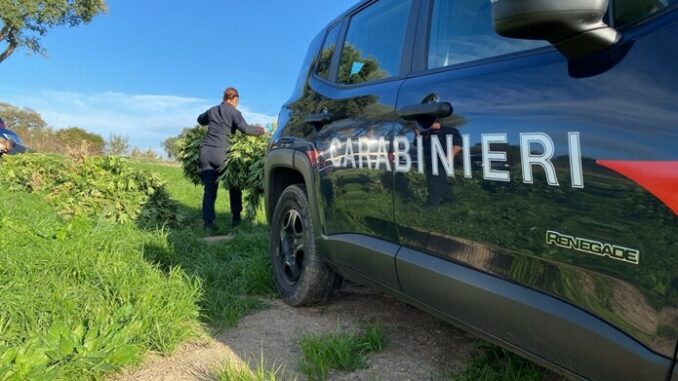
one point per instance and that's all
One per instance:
(435, 109)
(319, 119)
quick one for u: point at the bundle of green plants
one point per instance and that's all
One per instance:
(243, 169)
(92, 186)
(189, 152)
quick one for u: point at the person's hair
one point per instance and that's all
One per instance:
(230, 93)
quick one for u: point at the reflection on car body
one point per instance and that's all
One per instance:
(525, 221)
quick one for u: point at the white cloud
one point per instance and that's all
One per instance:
(146, 118)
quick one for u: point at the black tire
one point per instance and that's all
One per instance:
(300, 274)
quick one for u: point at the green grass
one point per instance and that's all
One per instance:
(78, 297)
(82, 297)
(242, 372)
(236, 274)
(496, 364)
(340, 351)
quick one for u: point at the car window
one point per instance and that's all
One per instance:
(462, 31)
(374, 42)
(308, 63)
(630, 11)
(327, 52)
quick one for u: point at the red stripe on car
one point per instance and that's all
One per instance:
(659, 177)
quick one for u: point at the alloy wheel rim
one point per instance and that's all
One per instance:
(292, 245)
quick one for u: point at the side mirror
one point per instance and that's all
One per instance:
(575, 27)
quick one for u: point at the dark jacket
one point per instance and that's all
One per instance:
(222, 121)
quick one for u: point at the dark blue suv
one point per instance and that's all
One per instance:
(10, 143)
(510, 166)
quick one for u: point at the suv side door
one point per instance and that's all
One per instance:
(356, 87)
(533, 186)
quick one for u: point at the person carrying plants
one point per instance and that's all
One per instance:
(222, 121)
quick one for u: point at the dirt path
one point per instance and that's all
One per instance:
(419, 347)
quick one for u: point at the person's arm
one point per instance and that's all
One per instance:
(204, 118)
(240, 124)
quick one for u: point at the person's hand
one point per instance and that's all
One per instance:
(436, 125)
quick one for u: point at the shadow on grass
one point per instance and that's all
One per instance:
(235, 273)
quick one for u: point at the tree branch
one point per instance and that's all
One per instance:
(4, 32)
(10, 49)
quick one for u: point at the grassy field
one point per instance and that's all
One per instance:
(83, 296)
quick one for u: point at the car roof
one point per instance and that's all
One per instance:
(348, 11)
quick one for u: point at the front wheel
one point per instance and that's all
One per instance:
(301, 276)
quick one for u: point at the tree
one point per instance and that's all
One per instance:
(24, 22)
(147, 155)
(171, 146)
(117, 145)
(28, 124)
(73, 137)
(174, 144)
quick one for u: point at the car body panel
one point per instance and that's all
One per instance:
(481, 259)
(626, 113)
(528, 319)
(375, 257)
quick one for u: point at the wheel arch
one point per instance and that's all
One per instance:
(285, 167)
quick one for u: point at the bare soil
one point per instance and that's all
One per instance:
(419, 346)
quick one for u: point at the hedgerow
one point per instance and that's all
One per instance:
(91, 186)
(244, 167)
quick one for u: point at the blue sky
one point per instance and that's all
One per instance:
(147, 68)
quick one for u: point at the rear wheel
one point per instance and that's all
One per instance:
(301, 276)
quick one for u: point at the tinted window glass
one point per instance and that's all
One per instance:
(327, 52)
(629, 11)
(309, 61)
(374, 42)
(462, 31)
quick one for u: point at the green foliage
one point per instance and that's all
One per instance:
(173, 144)
(98, 186)
(73, 137)
(189, 153)
(497, 364)
(244, 167)
(342, 351)
(235, 273)
(78, 298)
(25, 21)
